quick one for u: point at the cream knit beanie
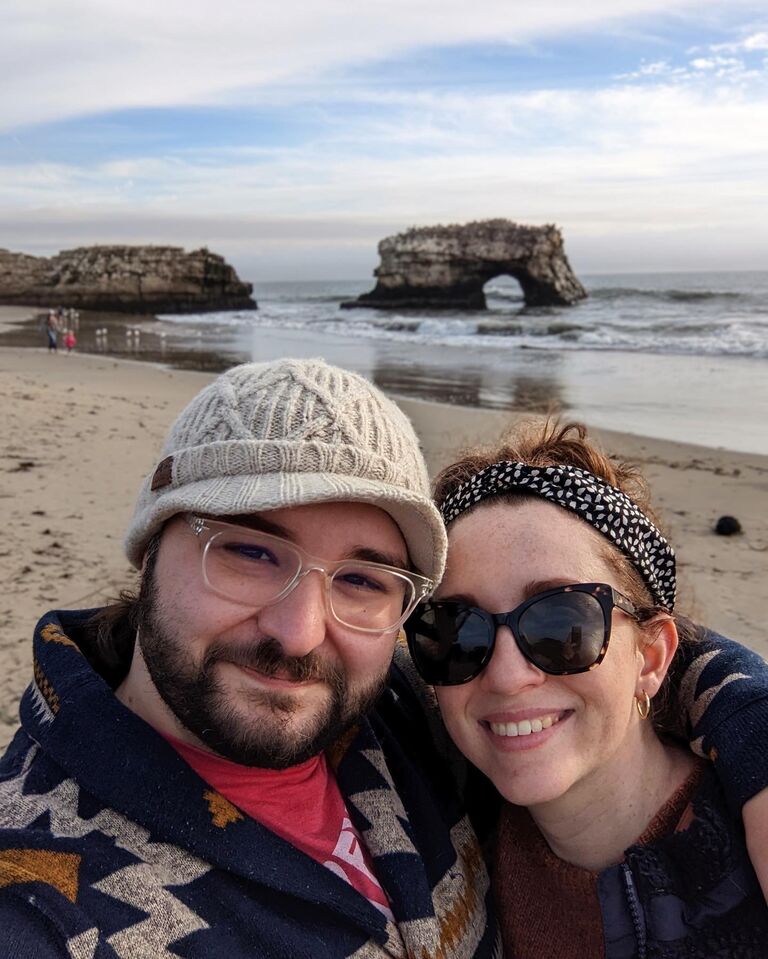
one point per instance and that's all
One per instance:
(264, 436)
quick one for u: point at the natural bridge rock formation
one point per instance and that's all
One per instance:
(127, 279)
(446, 266)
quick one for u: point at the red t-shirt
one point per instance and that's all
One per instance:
(303, 805)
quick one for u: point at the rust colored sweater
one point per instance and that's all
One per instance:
(549, 907)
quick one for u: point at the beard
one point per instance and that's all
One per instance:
(252, 727)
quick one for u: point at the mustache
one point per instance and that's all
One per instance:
(266, 656)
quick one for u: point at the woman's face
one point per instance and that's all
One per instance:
(585, 727)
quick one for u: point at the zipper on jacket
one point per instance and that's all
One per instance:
(635, 910)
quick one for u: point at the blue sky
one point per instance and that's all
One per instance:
(292, 137)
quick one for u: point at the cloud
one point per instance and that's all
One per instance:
(90, 56)
(715, 63)
(758, 41)
(656, 69)
(753, 42)
(738, 69)
(668, 150)
(542, 155)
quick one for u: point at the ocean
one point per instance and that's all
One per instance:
(679, 356)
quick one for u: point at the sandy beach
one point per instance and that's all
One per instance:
(80, 431)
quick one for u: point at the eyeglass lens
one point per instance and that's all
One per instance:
(256, 568)
(451, 642)
(562, 632)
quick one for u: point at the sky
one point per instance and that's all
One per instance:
(291, 137)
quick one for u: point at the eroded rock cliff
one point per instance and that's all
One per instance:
(127, 279)
(446, 266)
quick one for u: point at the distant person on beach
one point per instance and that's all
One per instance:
(70, 341)
(549, 643)
(231, 763)
(52, 330)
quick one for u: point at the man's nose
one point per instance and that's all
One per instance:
(509, 671)
(299, 620)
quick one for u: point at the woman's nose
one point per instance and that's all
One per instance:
(509, 671)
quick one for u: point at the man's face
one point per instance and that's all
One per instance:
(267, 686)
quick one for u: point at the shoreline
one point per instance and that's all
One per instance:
(674, 396)
(81, 432)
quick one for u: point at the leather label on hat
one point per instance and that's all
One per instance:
(163, 475)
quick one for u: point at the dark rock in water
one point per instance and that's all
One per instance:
(125, 279)
(445, 267)
(728, 526)
(563, 329)
(500, 328)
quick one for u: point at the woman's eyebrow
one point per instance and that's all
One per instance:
(465, 599)
(532, 588)
(536, 586)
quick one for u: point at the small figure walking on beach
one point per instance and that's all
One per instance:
(52, 329)
(70, 340)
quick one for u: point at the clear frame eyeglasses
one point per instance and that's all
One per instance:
(259, 569)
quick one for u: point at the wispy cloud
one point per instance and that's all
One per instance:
(85, 56)
(750, 43)
(737, 61)
(293, 126)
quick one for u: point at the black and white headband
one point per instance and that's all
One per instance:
(604, 507)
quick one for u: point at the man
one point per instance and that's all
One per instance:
(227, 765)
(196, 775)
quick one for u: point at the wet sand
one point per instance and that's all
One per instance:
(679, 397)
(80, 432)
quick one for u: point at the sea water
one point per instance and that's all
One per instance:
(681, 356)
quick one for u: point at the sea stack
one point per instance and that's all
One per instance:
(445, 267)
(125, 279)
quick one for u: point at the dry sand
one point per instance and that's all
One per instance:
(79, 433)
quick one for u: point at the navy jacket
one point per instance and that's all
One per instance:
(110, 845)
(690, 895)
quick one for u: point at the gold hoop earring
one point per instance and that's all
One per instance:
(643, 705)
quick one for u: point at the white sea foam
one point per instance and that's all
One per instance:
(680, 357)
(697, 314)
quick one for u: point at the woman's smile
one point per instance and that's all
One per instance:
(525, 726)
(524, 732)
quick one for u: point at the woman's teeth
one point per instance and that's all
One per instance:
(525, 727)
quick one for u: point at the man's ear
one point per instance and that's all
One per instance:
(659, 647)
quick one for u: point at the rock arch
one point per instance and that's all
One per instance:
(446, 267)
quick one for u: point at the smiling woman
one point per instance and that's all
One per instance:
(549, 641)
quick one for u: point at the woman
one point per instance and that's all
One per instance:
(548, 643)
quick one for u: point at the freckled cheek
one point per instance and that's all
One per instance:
(455, 710)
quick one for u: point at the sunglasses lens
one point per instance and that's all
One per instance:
(563, 633)
(449, 643)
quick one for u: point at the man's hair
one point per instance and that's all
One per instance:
(110, 634)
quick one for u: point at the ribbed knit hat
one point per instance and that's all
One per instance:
(265, 436)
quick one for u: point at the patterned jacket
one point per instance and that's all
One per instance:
(110, 845)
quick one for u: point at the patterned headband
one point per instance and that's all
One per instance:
(604, 507)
